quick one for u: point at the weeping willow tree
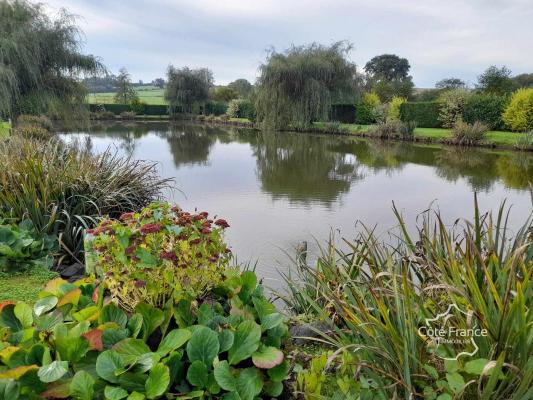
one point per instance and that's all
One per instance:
(188, 89)
(40, 61)
(299, 86)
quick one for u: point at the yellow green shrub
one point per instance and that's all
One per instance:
(519, 113)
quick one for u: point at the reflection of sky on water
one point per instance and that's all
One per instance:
(277, 189)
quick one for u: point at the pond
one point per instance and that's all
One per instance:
(279, 189)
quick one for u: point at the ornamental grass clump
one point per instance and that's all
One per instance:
(382, 298)
(467, 134)
(158, 254)
(63, 188)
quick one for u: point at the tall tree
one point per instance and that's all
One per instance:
(389, 76)
(223, 93)
(243, 88)
(40, 60)
(523, 81)
(188, 89)
(159, 82)
(450, 83)
(126, 93)
(495, 80)
(388, 67)
(298, 86)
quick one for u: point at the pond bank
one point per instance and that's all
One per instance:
(495, 139)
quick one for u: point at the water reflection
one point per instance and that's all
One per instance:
(303, 167)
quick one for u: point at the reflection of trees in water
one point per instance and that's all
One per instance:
(516, 170)
(385, 155)
(302, 168)
(477, 167)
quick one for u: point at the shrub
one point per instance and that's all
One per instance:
(241, 108)
(36, 120)
(71, 345)
(452, 106)
(127, 115)
(377, 296)
(425, 114)
(215, 107)
(485, 108)
(468, 134)
(407, 130)
(148, 256)
(394, 108)
(365, 110)
(63, 188)
(32, 132)
(519, 113)
(22, 247)
(387, 129)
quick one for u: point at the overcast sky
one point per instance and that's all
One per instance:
(440, 38)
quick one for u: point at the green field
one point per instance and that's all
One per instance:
(147, 94)
(4, 129)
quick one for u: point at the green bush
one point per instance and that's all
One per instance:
(452, 106)
(152, 255)
(71, 345)
(241, 108)
(138, 106)
(487, 109)
(215, 107)
(62, 188)
(467, 134)
(519, 113)
(32, 132)
(365, 110)
(22, 247)
(393, 113)
(425, 114)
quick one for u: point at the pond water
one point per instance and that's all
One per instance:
(279, 189)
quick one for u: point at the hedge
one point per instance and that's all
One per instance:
(487, 109)
(424, 113)
(148, 109)
(344, 113)
(215, 107)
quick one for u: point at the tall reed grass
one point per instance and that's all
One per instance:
(379, 296)
(63, 188)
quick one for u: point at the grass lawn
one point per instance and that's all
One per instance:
(24, 286)
(501, 138)
(4, 129)
(148, 95)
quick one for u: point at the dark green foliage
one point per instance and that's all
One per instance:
(40, 61)
(298, 86)
(425, 114)
(63, 188)
(523, 81)
(224, 94)
(389, 77)
(487, 109)
(344, 113)
(149, 109)
(213, 107)
(187, 89)
(496, 81)
(22, 247)
(450, 83)
(242, 87)
(241, 108)
(364, 114)
(388, 67)
(226, 347)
